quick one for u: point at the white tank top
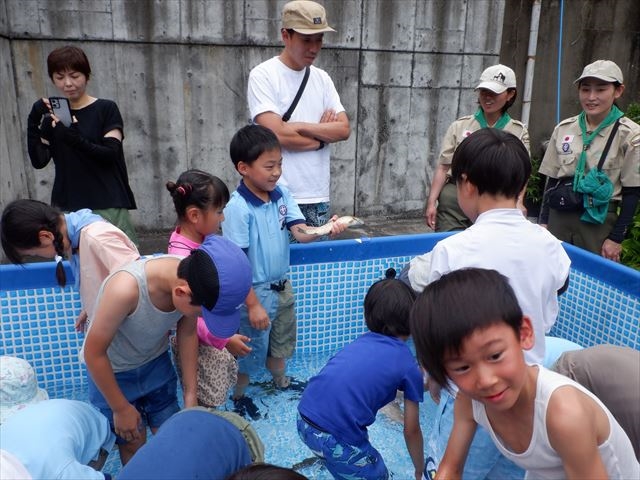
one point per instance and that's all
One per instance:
(540, 460)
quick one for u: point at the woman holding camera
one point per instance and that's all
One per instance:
(594, 220)
(90, 170)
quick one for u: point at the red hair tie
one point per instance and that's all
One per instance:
(184, 190)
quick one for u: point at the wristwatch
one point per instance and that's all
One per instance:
(322, 145)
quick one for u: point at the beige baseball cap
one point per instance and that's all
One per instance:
(305, 17)
(603, 70)
(497, 78)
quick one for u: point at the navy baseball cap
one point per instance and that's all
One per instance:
(219, 275)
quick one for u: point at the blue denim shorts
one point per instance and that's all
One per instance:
(484, 461)
(151, 389)
(343, 461)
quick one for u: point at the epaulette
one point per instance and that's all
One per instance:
(569, 120)
(631, 129)
(465, 117)
(518, 123)
(629, 124)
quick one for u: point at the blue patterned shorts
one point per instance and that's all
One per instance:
(343, 461)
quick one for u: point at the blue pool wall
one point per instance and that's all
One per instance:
(602, 304)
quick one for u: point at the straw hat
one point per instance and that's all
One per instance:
(18, 386)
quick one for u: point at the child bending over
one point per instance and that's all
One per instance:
(343, 399)
(469, 329)
(94, 247)
(131, 377)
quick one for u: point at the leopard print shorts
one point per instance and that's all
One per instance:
(217, 373)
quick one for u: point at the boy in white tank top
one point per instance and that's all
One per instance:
(469, 329)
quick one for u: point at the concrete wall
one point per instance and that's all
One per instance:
(590, 30)
(178, 70)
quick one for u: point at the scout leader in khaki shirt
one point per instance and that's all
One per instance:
(465, 126)
(449, 215)
(622, 164)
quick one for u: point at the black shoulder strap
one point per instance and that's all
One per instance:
(608, 145)
(287, 114)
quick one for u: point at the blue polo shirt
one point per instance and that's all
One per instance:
(261, 229)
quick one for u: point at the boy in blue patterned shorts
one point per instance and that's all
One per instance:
(342, 401)
(257, 218)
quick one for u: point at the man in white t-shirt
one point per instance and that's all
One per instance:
(318, 118)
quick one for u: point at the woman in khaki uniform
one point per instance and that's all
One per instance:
(496, 93)
(586, 134)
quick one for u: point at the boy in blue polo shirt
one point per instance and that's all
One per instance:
(257, 218)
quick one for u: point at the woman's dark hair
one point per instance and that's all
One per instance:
(197, 188)
(265, 471)
(493, 160)
(453, 307)
(68, 58)
(22, 221)
(387, 306)
(510, 102)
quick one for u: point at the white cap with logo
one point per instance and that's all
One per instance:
(497, 78)
(603, 70)
(305, 17)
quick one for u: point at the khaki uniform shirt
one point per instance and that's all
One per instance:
(622, 164)
(465, 126)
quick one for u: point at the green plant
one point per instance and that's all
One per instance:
(535, 187)
(630, 255)
(633, 112)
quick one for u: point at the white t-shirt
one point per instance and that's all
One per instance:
(272, 88)
(528, 255)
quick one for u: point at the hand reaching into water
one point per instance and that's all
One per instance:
(237, 345)
(81, 321)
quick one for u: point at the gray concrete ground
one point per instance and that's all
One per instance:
(156, 241)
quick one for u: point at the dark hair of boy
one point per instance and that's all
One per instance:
(68, 58)
(265, 471)
(387, 306)
(250, 142)
(20, 227)
(495, 161)
(202, 277)
(197, 188)
(453, 307)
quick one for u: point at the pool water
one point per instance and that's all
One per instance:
(277, 424)
(330, 280)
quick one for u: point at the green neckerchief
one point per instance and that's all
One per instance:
(500, 124)
(614, 114)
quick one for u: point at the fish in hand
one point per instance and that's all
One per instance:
(325, 229)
